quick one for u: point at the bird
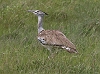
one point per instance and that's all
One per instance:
(52, 38)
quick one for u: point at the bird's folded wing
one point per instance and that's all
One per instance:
(54, 38)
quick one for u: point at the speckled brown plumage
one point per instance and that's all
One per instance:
(56, 38)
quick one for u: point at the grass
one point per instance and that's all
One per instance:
(21, 53)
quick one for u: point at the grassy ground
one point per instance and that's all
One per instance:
(21, 53)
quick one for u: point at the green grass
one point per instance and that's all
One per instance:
(20, 51)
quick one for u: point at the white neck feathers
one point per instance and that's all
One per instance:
(40, 21)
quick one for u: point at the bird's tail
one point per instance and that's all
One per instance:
(70, 50)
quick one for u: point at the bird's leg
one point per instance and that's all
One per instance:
(49, 51)
(57, 50)
(52, 53)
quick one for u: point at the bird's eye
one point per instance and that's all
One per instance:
(37, 11)
(43, 39)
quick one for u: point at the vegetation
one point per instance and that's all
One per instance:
(20, 51)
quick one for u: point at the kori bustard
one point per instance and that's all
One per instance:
(52, 38)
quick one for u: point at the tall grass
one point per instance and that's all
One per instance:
(21, 53)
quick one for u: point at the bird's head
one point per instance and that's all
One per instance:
(38, 12)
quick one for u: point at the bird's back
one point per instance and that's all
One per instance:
(55, 38)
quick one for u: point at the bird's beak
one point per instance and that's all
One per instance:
(30, 10)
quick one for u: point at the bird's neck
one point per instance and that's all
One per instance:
(40, 22)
